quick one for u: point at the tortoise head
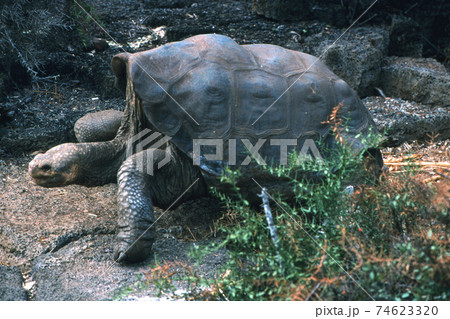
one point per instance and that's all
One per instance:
(57, 167)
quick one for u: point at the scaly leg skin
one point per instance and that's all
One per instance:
(137, 192)
(98, 127)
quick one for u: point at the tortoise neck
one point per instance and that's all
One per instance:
(100, 162)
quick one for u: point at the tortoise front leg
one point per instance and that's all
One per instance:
(139, 189)
(135, 236)
(98, 126)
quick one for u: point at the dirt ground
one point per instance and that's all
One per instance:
(62, 238)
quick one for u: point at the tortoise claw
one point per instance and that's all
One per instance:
(132, 253)
(120, 257)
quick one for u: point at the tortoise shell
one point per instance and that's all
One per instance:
(209, 87)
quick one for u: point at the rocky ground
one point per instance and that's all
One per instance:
(56, 244)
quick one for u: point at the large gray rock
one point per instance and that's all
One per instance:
(11, 284)
(336, 12)
(356, 57)
(416, 79)
(405, 121)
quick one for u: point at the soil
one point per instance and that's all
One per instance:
(61, 239)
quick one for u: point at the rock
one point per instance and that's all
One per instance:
(433, 17)
(356, 57)
(11, 284)
(174, 4)
(404, 121)
(336, 12)
(405, 37)
(81, 270)
(417, 79)
(282, 9)
(100, 44)
(429, 18)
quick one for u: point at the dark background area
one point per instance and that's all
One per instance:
(42, 39)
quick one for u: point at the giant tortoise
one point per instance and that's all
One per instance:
(186, 94)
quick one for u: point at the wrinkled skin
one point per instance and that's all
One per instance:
(204, 87)
(98, 127)
(53, 170)
(88, 164)
(71, 163)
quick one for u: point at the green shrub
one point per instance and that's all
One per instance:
(382, 242)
